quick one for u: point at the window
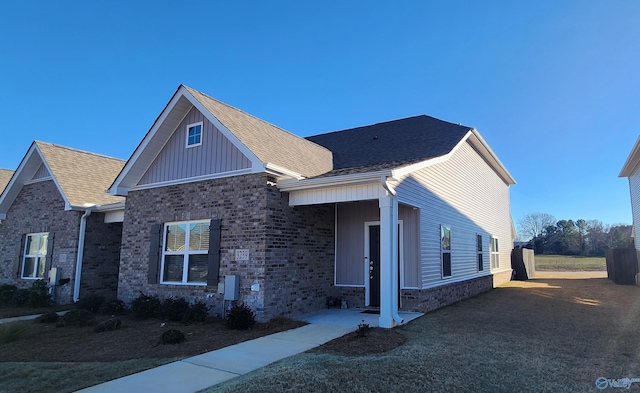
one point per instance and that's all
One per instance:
(185, 253)
(445, 248)
(35, 255)
(194, 134)
(495, 255)
(479, 250)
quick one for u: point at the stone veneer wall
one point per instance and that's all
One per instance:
(284, 243)
(101, 258)
(39, 207)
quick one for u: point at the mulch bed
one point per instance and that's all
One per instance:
(377, 340)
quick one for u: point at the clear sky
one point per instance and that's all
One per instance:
(552, 86)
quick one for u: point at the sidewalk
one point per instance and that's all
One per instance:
(25, 317)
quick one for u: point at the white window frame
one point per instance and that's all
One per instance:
(37, 255)
(185, 253)
(189, 127)
(480, 252)
(444, 251)
(494, 248)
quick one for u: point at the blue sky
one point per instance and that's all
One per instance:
(552, 86)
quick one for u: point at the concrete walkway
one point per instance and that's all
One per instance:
(211, 368)
(25, 317)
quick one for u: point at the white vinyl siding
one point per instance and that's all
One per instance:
(634, 187)
(468, 195)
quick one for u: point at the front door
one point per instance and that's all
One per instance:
(374, 265)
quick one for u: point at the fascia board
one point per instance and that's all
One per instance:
(333, 181)
(481, 146)
(632, 161)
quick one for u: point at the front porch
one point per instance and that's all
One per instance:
(350, 317)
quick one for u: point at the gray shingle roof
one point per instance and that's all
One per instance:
(390, 144)
(5, 177)
(269, 143)
(82, 176)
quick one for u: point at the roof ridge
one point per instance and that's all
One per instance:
(78, 150)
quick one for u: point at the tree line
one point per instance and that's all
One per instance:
(546, 235)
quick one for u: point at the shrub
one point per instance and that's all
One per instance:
(90, 303)
(113, 307)
(363, 329)
(240, 317)
(10, 332)
(38, 295)
(175, 309)
(199, 312)
(76, 317)
(172, 336)
(108, 325)
(145, 306)
(50, 317)
(20, 297)
(6, 294)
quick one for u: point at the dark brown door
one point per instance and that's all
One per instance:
(374, 265)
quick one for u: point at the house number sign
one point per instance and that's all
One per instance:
(242, 255)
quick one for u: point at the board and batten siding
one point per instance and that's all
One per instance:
(175, 161)
(465, 194)
(41, 174)
(634, 188)
(350, 235)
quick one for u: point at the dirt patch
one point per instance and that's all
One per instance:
(377, 340)
(135, 339)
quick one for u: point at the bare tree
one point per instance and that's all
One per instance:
(533, 225)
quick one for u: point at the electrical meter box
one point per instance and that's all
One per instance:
(231, 287)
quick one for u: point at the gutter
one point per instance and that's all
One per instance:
(80, 253)
(394, 263)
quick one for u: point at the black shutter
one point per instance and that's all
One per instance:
(49, 258)
(20, 253)
(154, 253)
(214, 253)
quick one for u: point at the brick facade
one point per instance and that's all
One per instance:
(290, 249)
(39, 207)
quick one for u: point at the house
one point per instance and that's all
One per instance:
(54, 213)
(5, 176)
(631, 170)
(408, 214)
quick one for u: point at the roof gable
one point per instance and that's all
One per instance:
(81, 177)
(632, 162)
(267, 147)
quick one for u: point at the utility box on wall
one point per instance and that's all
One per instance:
(231, 287)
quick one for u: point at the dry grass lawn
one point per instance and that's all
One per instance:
(545, 335)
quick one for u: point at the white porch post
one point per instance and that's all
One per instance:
(388, 259)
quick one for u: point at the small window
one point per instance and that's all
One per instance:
(495, 254)
(185, 253)
(194, 134)
(445, 248)
(35, 255)
(479, 251)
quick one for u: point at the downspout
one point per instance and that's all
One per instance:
(80, 254)
(394, 264)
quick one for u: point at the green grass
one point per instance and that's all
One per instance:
(569, 263)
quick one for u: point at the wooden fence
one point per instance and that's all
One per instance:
(622, 265)
(523, 263)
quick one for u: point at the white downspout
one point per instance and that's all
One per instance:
(80, 254)
(394, 246)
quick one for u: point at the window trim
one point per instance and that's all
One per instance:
(185, 253)
(480, 251)
(37, 256)
(444, 251)
(189, 127)
(495, 253)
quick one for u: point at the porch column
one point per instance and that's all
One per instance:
(388, 260)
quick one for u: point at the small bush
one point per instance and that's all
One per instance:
(240, 318)
(20, 298)
(145, 306)
(108, 325)
(76, 317)
(6, 294)
(113, 307)
(363, 329)
(50, 317)
(38, 295)
(172, 336)
(90, 303)
(199, 312)
(175, 309)
(10, 332)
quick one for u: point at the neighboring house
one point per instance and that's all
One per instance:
(5, 176)
(54, 213)
(409, 214)
(631, 170)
